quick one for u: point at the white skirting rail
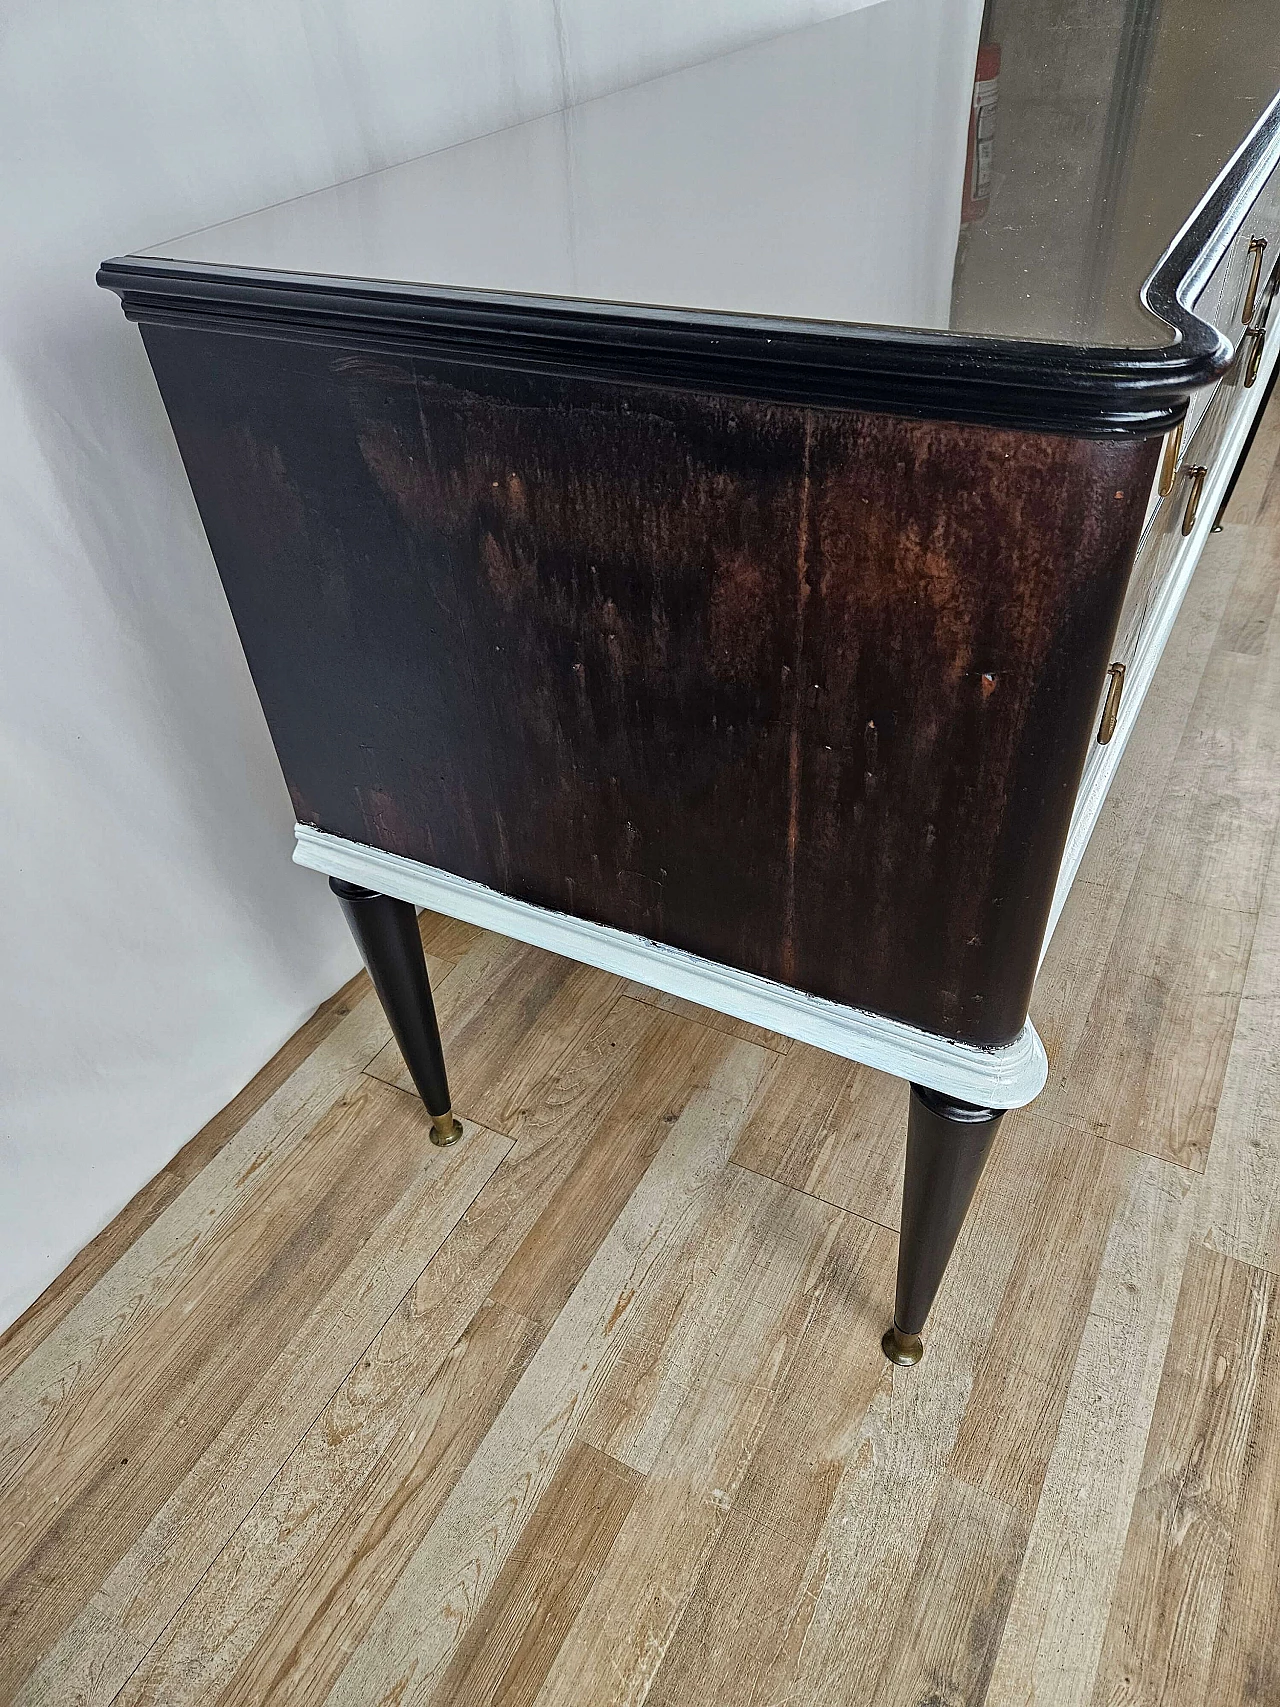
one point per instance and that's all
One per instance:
(1006, 1077)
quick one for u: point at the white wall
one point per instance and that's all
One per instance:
(157, 945)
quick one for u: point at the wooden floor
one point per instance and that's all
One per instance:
(592, 1409)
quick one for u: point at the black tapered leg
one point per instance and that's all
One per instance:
(947, 1144)
(386, 932)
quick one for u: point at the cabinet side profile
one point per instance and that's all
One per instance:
(618, 572)
(803, 692)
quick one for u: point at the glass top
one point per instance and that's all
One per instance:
(1014, 171)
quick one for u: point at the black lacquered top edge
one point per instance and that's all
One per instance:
(1051, 387)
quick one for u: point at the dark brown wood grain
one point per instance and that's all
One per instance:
(804, 691)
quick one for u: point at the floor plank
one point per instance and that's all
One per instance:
(266, 1616)
(1054, 1627)
(704, 1383)
(1258, 472)
(1159, 1645)
(540, 1589)
(1247, 622)
(951, 1622)
(1259, 486)
(1149, 1070)
(417, 1629)
(509, 1015)
(735, 1635)
(1238, 1210)
(1245, 1669)
(847, 1602)
(833, 1129)
(707, 1016)
(277, 1613)
(204, 1406)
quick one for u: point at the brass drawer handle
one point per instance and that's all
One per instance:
(1192, 510)
(1257, 248)
(1169, 467)
(1255, 356)
(1111, 707)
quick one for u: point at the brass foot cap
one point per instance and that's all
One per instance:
(445, 1129)
(898, 1347)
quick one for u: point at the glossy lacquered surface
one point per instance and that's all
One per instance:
(823, 175)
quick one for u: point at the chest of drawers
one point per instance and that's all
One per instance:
(667, 534)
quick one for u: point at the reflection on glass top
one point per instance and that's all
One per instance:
(915, 163)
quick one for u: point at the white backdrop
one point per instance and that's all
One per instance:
(158, 945)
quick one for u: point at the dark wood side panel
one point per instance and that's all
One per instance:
(804, 691)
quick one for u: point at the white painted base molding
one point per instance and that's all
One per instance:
(1006, 1077)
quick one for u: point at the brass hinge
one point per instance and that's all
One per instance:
(1169, 467)
(1257, 246)
(1255, 355)
(1111, 706)
(1196, 476)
